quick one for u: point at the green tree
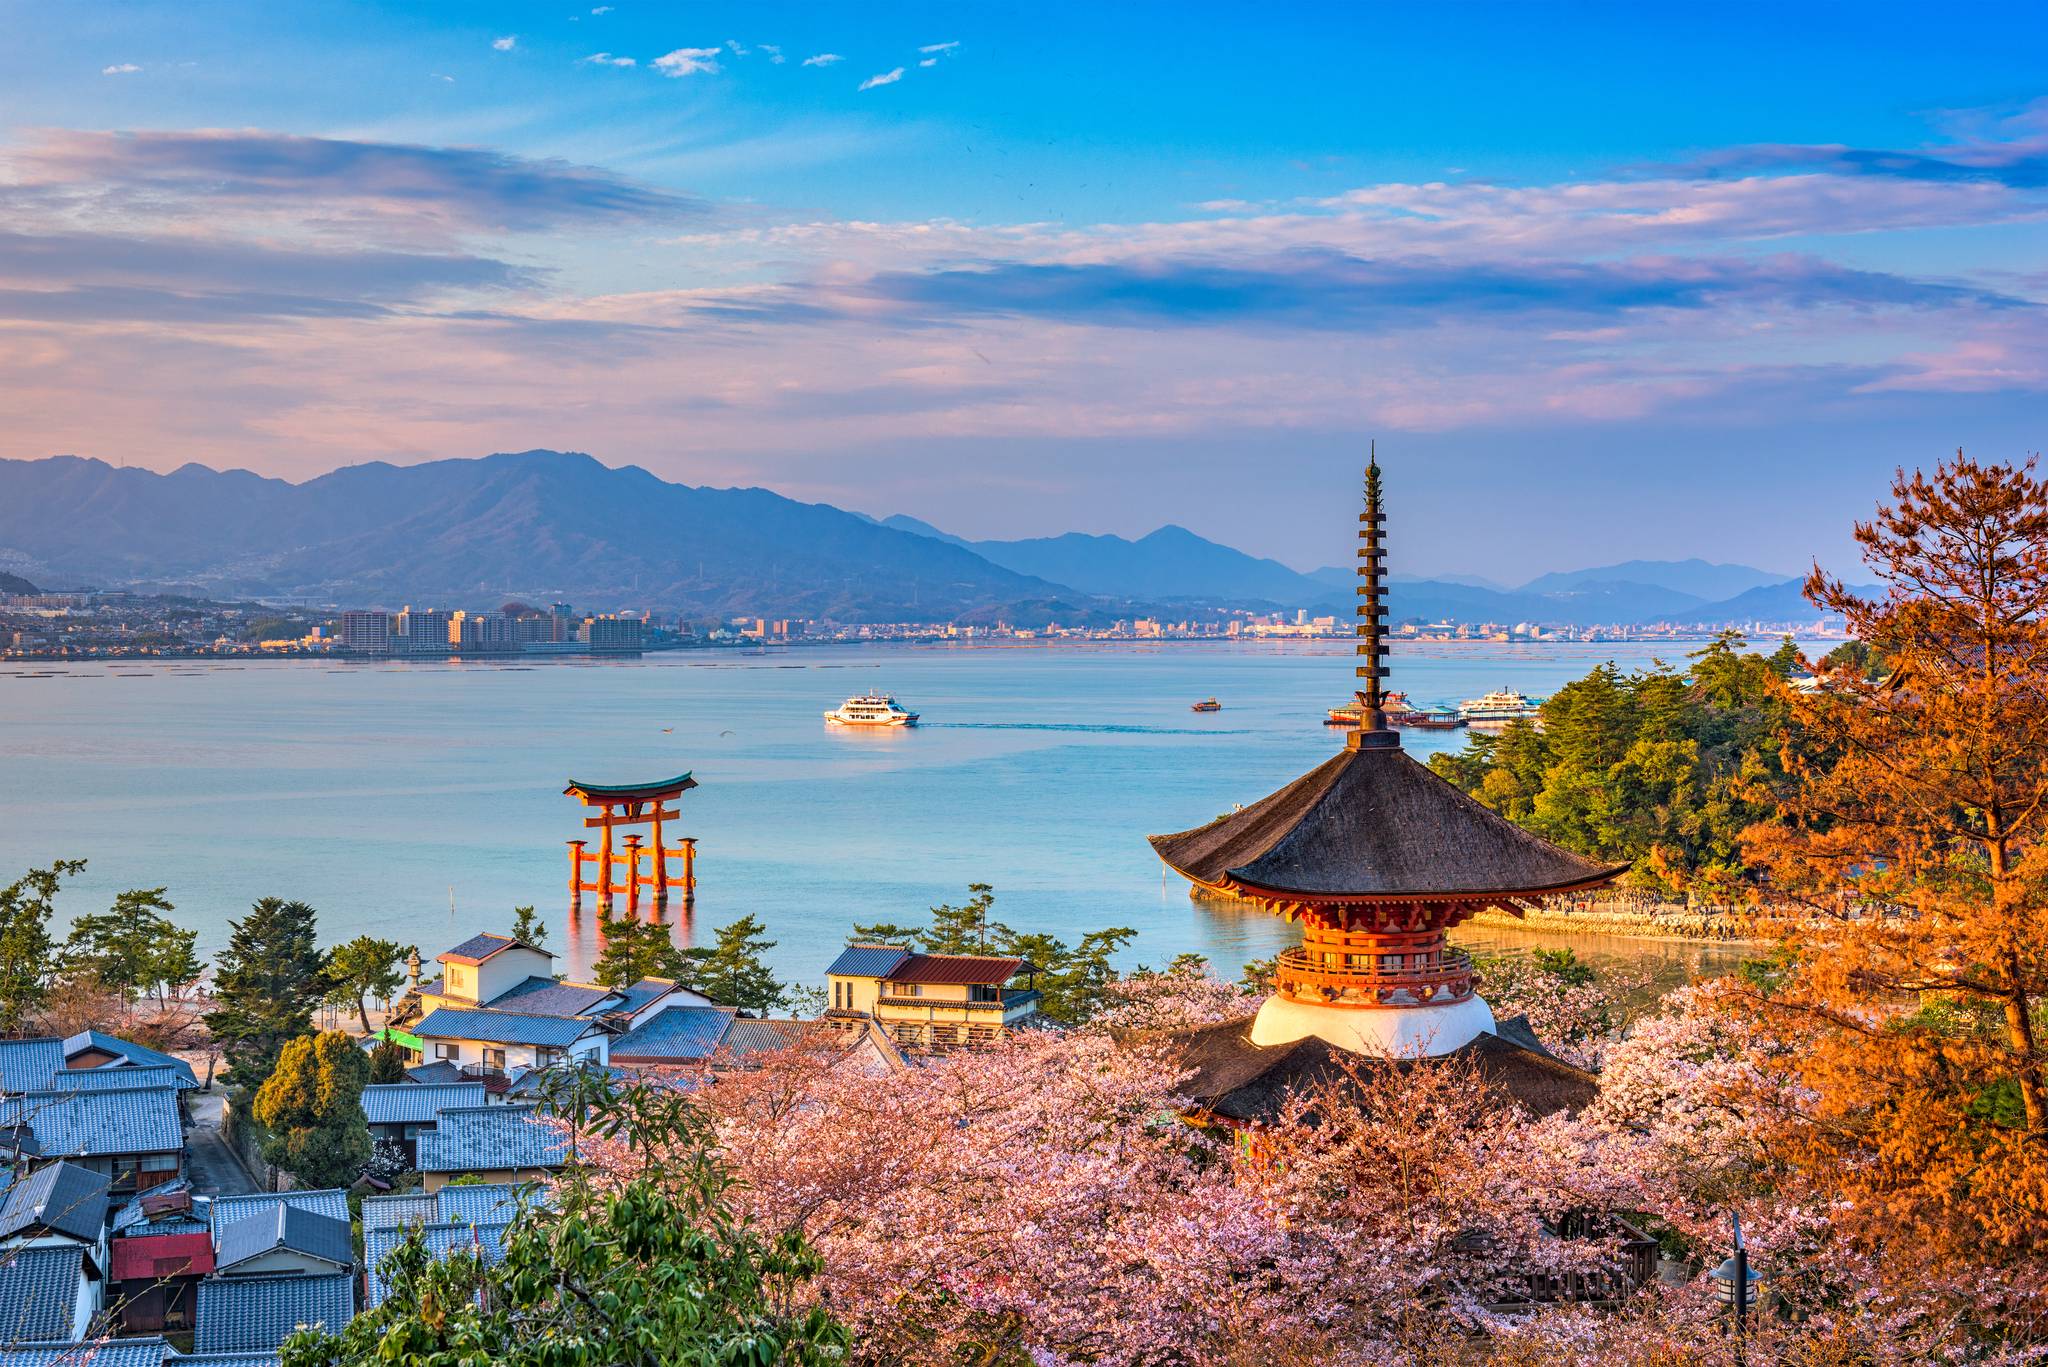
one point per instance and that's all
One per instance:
(133, 947)
(884, 933)
(388, 1062)
(1070, 980)
(529, 928)
(637, 949)
(734, 971)
(313, 1108)
(267, 982)
(656, 1271)
(25, 943)
(365, 967)
(964, 929)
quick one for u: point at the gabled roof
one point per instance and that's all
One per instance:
(1372, 824)
(545, 997)
(745, 1037)
(118, 1077)
(414, 1103)
(94, 1124)
(492, 1139)
(60, 1197)
(27, 1065)
(232, 1210)
(478, 948)
(641, 995)
(140, 1055)
(112, 1352)
(395, 1212)
(283, 1227)
(441, 1240)
(502, 1027)
(39, 1292)
(960, 969)
(674, 1034)
(439, 1071)
(149, 1257)
(867, 961)
(257, 1314)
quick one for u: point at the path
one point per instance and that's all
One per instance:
(212, 1165)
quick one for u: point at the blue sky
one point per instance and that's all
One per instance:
(1605, 281)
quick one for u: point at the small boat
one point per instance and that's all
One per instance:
(1435, 719)
(870, 709)
(1208, 705)
(1501, 705)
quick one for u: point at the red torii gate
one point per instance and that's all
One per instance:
(623, 805)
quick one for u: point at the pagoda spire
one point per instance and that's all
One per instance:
(1373, 731)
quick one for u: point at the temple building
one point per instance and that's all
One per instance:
(1377, 858)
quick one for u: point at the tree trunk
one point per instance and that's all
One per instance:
(2019, 1027)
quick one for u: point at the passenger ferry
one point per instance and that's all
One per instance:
(1501, 705)
(870, 709)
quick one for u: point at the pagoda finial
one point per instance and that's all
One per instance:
(1372, 717)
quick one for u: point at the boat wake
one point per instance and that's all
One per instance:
(1104, 730)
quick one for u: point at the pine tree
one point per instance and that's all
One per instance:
(964, 929)
(25, 944)
(312, 1106)
(365, 967)
(529, 928)
(637, 949)
(387, 1062)
(267, 981)
(733, 971)
(133, 947)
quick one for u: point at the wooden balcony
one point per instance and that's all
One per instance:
(1370, 979)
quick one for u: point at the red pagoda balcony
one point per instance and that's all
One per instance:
(1332, 968)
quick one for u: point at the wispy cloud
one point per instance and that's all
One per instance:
(602, 9)
(736, 47)
(823, 59)
(120, 69)
(606, 59)
(886, 78)
(774, 53)
(505, 44)
(929, 61)
(689, 61)
(934, 49)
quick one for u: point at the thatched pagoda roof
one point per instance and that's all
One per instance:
(1373, 825)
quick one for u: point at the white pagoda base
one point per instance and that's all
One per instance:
(1383, 1032)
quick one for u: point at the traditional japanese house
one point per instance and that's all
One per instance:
(931, 1001)
(1376, 858)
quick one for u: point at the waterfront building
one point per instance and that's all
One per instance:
(367, 633)
(475, 632)
(609, 632)
(422, 631)
(1376, 857)
(931, 1001)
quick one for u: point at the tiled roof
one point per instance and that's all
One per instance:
(868, 961)
(441, 1240)
(118, 1078)
(501, 1027)
(91, 1353)
(413, 1103)
(440, 1070)
(134, 1215)
(91, 1124)
(39, 1292)
(490, 1203)
(546, 997)
(477, 948)
(956, 969)
(746, 1037)
(58, 1196)
(217, 1360)
(531, 1084)
(674, 1034)
(394, 1212)
(640, 996)
(140, 1055)
(492, 1138)
(151, 1256)
(256, 1314)
(27, 1065)
(232, 1210)
(284, 1227)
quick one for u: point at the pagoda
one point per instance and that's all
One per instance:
(1377, 858)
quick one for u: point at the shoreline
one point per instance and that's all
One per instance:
(1683, 928)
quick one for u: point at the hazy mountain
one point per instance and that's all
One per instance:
(1782, 602)
(903, 522)
(1343, 576)
(1696, 579)
(14, 583)
(1171, 563)
(540, 525)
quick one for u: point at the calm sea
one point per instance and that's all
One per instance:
(422, 802)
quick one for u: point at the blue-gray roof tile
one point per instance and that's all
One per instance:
(257, 1314)
(232, 1210)
(674, 1034)
(110, 1352)
(502, 1027)
(39, 1288)
(868, 961)
(27, 1065)
(118, 1078)
(284, 1227)
(130, 1216)
(481, 947)
(441, 1240)
(492, 1203)
(93, 1124)
(61, 1197)
(492, 1139)
(140, 1055)
(413, 1103)
(396, 1212)
(546, 997)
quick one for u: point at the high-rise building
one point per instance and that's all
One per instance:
(366, 632)
(614, 633)
(423, 631)
(471, 632)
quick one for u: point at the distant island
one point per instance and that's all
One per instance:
(547, 526)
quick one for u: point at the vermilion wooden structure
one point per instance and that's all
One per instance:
(611, 873)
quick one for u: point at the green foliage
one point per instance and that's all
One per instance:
(527, 926)
(634, 950)
(1858, 657)
(365, 967)
(962, 929)
(267, 982)
(25, 944)
(883, 933)
(312, 1107)
(652, 1270)
(734, 970)
(1652, 769)
(387, 1062)
(1563, 964)
(132, 948)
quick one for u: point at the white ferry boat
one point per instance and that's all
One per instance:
(870, 709)
(1501, 705)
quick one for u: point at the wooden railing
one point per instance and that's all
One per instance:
(1309, 977)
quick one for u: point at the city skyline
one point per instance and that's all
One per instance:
(1019, 280)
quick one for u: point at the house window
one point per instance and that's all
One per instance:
(984, 992)
(494, 1058)
(450, 1052)
(159, 1162)
(906, 989)
(543, 1057)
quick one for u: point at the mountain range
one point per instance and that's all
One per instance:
(549, 526)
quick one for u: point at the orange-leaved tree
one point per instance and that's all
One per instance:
(1913, 824)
